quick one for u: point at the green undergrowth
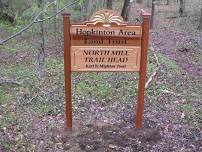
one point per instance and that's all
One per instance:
(8, 94)
(13, 28)
(105, 86)
(16, 47)
(98, 89)
(191, 113)
(172, 86)
(8, 119)
(46, 96)
(54, 65)
(4, 97)
(170, 64)
(20, 71)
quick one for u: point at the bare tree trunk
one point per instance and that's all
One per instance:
(168, 2)
(1, 5)
(109, 4)
(81, 12)
(103, 4)
(182, 7)
(126, 9)
(200, 23)
(85, 9)
(152, 14)
(55, 20)
(138, 1)
(41, 55)
(148, 3)
(93, 7)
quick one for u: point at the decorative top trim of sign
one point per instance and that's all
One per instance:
(107, 17)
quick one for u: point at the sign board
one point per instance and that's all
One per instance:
(106, 58)
(105, 43)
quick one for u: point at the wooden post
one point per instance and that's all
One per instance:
(143, 68)
(67, 69)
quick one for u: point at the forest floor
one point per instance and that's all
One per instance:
(104, 104)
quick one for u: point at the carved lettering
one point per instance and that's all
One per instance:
(96, 59)
(129, 33)
(96, 52)
(96, 41)
(119, 52)
(112, 41)
(105, 32)
(117, 60)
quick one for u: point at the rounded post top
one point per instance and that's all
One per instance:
(145, 14)
(66, 14)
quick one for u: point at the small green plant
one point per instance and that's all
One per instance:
(199, 115)
(186, 107)
(99, 90)
(170, 64)
(5, 98)
(54, 64)
(2, 95)
(7, 145)
(43, 108)
(7, 119)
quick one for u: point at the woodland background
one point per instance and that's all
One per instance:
(104, 104)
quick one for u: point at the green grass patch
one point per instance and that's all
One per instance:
(170, 64)
(97, 90)
(199, 115)
(54, 64)
(192, 114)
(185, 107)
(113, 86)
(7, 145)
(151, 67)
(7, 26)
(15, 47)
(4, 97)
(8, 118)
(19, 70)
(43, 108)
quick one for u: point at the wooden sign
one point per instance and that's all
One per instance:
(105, 43)
(106, 58)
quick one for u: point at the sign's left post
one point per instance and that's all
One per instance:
(67, 69)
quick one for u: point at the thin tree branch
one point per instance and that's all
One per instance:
(61, 10)
(155, 70)
(171, 92)
(12, 82)
(36, 20)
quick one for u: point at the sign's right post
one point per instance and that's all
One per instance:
(143, 68)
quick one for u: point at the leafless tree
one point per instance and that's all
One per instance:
(168, 2)
(148, 3)
(85, 9)
(37, 20)
(41, 54)
(139, 1)
(152, 14)
(55, 19)
(126, 9)
(182, 7)
(109, 4)
(1, 5)
(200, 22)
